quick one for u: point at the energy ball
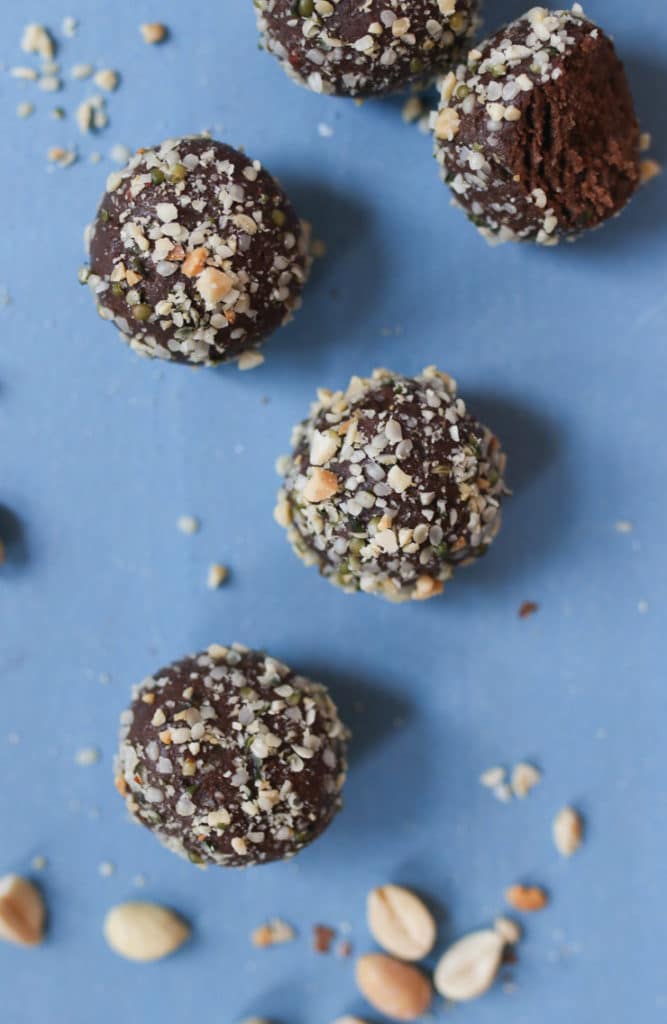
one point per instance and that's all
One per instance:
(537, 135)
(196, 253)
(230, 758)
(348, 48)
(391, 484)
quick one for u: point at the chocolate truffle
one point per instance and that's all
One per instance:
(196, 253)
(537, 134)
(348, 48)
(391, 484)
(230, 758)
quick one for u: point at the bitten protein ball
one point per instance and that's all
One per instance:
(196, 253)
(230, 758)
(537, 135)
(348, 48)
(391, 484)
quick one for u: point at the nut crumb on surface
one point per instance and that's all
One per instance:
(323, 937)
(37, 39)
(188, 524)
(527, 899)
(106, 79)
(217, 575)
(648, 170)
(568, 830)
(153, 32)
(87, 756)
(528, 608)
(274, 932)
(524, 778)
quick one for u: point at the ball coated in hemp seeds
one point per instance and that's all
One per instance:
(196, 253)
(537, 134)
(231, 758)
(347, 48)
(391, 485)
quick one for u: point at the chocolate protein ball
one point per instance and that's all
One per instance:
(391, 484)
(537, 135)
(230, 758)
(196, 253)
(349, 48)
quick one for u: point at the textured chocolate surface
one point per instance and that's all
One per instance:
(537, 135)
(391, 484)
(230, 758)
(196, 253)
(350, 48)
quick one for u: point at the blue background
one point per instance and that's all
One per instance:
(562, 351)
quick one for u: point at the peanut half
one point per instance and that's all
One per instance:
(469, 967)
(393, 988)
(144, 931)
(22, 911)
(400, 923)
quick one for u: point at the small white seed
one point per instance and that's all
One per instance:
(400, 923)
(469, 967)
(22, 911)
(568, 831)
(144, 931)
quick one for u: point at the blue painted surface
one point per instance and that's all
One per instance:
(562, 351)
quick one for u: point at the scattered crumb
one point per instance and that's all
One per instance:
(492, 777)
(413, 109)
(323, 936)
(139, 881)
(528, 608)
(105, 678)
(62, 157)
(106, 869)
(107, 80)
(642, 607)
(325, 131)
(25, 110)
(50, 83)
(25, 74)
(81, 71)
(344, 949)
(217, 574)
(568, 831)
(39, 863)
(37, 39)
(188, 524)
(527, 899)
(153, 32)
(95, 158)
(14, 739)
(87, 756)
(69, 26)
(524, 778)
(648, 170)
(250, 360)
(120, 154)
(275, 932)
(58, 113)
(623, 526)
